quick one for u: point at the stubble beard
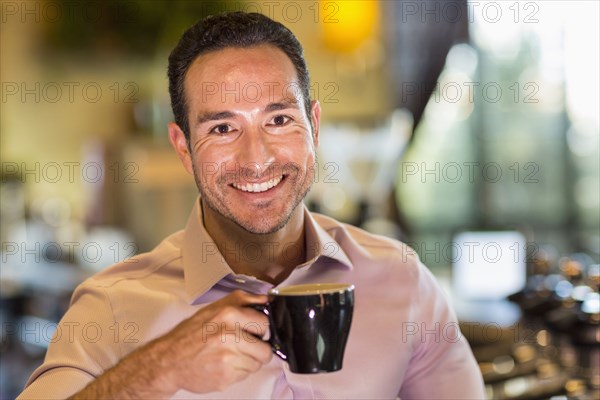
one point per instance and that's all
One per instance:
(300, 182)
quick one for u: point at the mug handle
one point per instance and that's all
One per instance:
(275, 344)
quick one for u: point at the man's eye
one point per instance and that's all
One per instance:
(280, 120)
(221, 129)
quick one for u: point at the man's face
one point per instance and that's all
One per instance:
(252, 146)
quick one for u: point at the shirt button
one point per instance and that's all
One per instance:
(240, 280)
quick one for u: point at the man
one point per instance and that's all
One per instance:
(175, 322)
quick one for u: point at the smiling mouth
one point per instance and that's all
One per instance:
(259, 187)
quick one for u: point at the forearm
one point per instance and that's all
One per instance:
(177, 359)
(142, 374)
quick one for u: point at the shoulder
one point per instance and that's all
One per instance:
(389, 271)
(359, 244)
(160, 261)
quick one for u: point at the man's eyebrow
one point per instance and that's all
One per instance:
(219, 115)
(213, 116)
(282, 105)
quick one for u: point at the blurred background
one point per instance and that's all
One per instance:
(469, 130)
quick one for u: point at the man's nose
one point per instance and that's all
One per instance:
(256, 150)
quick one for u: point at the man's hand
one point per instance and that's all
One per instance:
(214, 348)
(217, 346)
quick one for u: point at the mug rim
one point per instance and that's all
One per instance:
(322, 288)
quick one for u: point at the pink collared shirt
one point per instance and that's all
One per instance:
(404, 340)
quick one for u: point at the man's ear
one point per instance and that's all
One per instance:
(315, 116)
(179, 143)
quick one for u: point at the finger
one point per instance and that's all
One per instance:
(243, 348)
(237, 367)
(257, 323)
(244, 298)
(257, 330)
(236, 299)
(254, 348)
(244, 318)
(243, 368)
(246, 363)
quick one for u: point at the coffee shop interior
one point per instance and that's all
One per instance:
(469, 130)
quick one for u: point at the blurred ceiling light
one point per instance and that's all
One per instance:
(346, 25)
(583, 139)
(495, 31)
(462, 57)
(591, 303)
(451, 102)
(539, 90)
(334, 198)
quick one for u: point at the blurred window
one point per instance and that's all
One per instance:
(510, 138)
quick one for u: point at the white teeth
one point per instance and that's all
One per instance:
(258, 187)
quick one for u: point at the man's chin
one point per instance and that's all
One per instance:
(262, 228)
(263, 221)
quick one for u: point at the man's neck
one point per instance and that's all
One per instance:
(270, 257)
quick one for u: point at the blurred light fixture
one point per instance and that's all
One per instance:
(347, 24)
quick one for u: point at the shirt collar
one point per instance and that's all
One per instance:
(320, 244)
(204, 266)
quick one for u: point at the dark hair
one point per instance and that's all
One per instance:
(232, 29)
